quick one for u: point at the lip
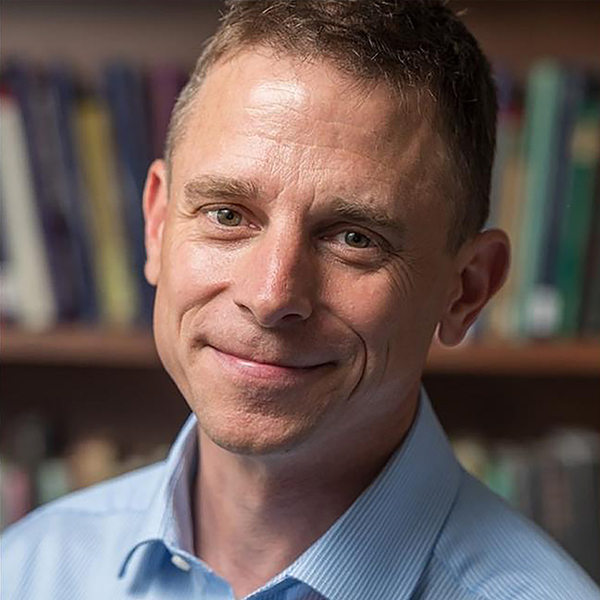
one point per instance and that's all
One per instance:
(271, 371)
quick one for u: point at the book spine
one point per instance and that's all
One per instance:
(118, 297)
(125, 97)
(543, 95)
(555, 481)
(35, 304)
(576, 225)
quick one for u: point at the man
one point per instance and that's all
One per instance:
(317, 218)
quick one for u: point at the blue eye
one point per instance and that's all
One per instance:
(357, 239)
(228, 217)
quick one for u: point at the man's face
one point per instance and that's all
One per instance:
(302, 269)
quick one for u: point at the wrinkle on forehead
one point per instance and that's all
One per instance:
(289, 83)
(286, 100)
(279, 93)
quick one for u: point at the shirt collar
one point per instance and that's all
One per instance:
(168, 517)
(381, 545)
(378, 548)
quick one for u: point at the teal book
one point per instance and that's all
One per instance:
(576, 225)
(545, 90)
(545, 288)
(590, 314)
(589, 324)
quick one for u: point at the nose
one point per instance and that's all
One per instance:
(275, 283)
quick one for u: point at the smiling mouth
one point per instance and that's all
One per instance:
(274, 370)
(264, 362)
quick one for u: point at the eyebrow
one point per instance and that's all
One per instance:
(220, 187)
(369, 216)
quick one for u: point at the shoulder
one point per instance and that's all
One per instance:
(70, 534)
(117, 497)
(121, 494)
(494, 553)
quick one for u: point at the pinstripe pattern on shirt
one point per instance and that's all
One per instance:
(423, 530)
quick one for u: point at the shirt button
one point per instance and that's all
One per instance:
(180, 563)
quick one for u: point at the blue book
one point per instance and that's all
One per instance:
(572, 95)
(127, 100)
(64, 95)
(31, 90)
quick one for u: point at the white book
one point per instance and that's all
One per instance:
(31, 287)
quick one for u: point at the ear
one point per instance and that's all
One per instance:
(483, 266)
(155, 209)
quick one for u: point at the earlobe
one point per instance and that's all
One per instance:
(482, 271)
(155, 208)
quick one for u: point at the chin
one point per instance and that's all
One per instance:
(257, 420)
(258, 446)
(255, 435)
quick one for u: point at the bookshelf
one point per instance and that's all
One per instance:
(87, 34)
(528, 388)
(71, 346)
(110, 380)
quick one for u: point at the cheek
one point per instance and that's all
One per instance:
(368, 306)
(191, 275)
(194, 274)
(388, 318)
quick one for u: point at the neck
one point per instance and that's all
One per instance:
(256, 515)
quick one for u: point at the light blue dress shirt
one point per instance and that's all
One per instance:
(423, 530)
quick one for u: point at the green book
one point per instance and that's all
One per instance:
(576, 225)
(590, 317)
(544, 95)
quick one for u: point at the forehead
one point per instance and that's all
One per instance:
(257, 108)
(262, 80)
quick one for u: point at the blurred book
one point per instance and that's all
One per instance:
(82, 150)
(577, 218)
(118, 299)
(545, 196)
(38, 465)
(72, 185)
(27, 294)
(545, 90)
(555, 481)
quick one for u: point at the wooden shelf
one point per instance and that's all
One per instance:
(72, 346)
(568, 358)
(79, 346)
